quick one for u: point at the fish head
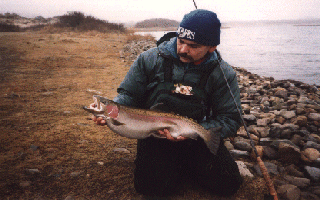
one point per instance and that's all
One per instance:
(103, 107)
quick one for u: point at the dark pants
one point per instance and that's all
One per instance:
(160, 165)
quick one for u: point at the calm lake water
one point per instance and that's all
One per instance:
(283, 50)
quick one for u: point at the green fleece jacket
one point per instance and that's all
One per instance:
(147, 71)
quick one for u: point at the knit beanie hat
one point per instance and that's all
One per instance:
(200, 26)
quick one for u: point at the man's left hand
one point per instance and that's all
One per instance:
(166, 133)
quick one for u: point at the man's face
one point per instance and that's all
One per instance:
(190, 51)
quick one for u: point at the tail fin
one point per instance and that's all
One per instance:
(213, 142)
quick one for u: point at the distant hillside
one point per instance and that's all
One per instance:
(157, 22)
(74, 20)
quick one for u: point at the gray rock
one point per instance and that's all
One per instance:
(275, 132)
(309, 196)
(70, 197)
(313, 173)
(271, 168)
(310, 155)
(302, 120)
(267, 141)
(286, 134)
(294, 171)
(300, 182)
(288, 153)
(246, 108)
(239, 154)
(249, 117)
(289, 192)
(303, 100)
(228, 145)
(123, 150)
(314, 116)
(76, 174)
(283, 93)
(91, 91)
(315, 190)
(243, 146)
(24, 184)
(242, 132)
(270, 153)
(244, 171)
(261, 132)
(316, 137)
(317, 163)
(289, 126)
(33, 171)
(276, 143)
(296, 139)
(277, 103)
(263, 121)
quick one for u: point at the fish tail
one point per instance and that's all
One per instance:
(213, 141)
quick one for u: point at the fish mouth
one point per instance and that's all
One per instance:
(95, 108)
(94, 111)
(103, 107)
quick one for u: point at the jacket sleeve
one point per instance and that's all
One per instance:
(224, 111)
(132, 90)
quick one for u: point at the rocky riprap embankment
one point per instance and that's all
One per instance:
(283, 119)
(134, 48)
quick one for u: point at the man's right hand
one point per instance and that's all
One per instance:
(99, 120)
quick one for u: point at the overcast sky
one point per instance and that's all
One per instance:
(137, 10)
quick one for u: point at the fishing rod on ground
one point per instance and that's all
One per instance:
(259, 160)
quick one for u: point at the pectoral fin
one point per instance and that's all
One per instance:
(115, 122)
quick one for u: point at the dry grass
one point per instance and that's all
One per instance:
(45, 81)
(135, 37)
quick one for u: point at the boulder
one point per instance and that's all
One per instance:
(289, 192)
(244, 171)
(287, 114)
(310, 155)
(288, 153)
(313, 173)
(300, 182)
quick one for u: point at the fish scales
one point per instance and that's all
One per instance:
(138, 123)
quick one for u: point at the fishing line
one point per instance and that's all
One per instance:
(195, 5)
(260, 162)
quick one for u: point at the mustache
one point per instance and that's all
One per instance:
(185, 55)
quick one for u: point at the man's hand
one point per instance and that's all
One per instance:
(99, 120)
(166, 133)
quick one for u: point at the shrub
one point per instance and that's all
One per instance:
(78, 21)
(4, 27)
(73, 19)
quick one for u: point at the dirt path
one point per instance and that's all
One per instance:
(50, 149)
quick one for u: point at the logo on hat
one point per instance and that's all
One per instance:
(185, 33)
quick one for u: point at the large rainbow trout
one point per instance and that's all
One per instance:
(141, 123)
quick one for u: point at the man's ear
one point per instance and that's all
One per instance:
(212, 49)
